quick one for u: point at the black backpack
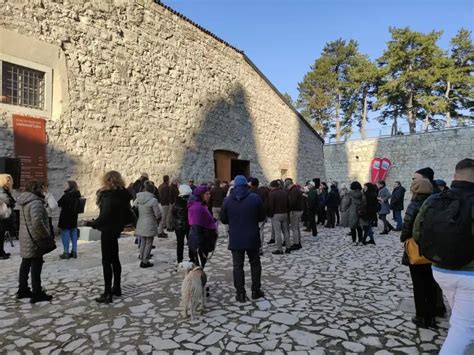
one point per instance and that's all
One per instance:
(446, 236)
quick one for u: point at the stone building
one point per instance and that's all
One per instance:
(133, 86)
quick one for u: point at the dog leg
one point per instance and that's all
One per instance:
(203, 300)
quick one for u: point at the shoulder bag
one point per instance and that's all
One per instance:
(44, 245)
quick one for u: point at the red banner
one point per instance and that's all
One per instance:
(379, 169)
(30, 147)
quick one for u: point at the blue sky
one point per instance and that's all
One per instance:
(284, 37)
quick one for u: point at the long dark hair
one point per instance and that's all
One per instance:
(35, 187)
(72, 186)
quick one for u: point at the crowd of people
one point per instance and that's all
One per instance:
(243, 207)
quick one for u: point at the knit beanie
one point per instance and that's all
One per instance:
(427, 173)
(198, 191)
(240, 180)
(185, 190)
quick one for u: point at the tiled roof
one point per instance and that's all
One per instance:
(247, 59)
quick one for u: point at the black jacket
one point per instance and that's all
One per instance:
(398, 195)
(369, 206)
(115, 210)
(217, 196)
(69, 204)
(333, 199)
(180, 214)
(410, 216)
(278, 202)
(296, 200)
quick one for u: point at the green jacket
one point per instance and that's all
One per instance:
(417, 234)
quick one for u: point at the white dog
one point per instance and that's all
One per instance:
(193, 289)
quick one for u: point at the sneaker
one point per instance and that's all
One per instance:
(73, 254)
(294, 247)
(257, 294)
(241, 298)
(271, 241)
(105, 298)
(277, 252)
(24, 294)
(287, 251)
(64, 256)
(146, 265)
(42, 297)
(117, 291)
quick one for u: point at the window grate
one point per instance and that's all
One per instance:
(22, 86)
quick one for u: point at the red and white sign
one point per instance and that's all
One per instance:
(379, 169)
(30, 147)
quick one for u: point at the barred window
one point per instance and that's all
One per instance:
(22, 86)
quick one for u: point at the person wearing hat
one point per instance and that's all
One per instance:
(202, 226)
(441, 185)
(180, 217)
(243, 211)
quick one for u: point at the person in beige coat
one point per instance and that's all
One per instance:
(34, 226)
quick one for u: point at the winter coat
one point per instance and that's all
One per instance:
(217, 197)
(202, 226)
(164, 192)
(180, 214)
(313, 201)
(323, 195)
(242, 211)
(295, 199)
(349, 208)
(69, 204)
(333, 199)
(148, 214)
(369, 208)
(278, 202)
(115, 210)
(398, 195)
(385, 195)
(264, 194)
(174, 193)
(32, 210)
(6, 197)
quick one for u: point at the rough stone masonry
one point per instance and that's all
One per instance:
(137, 87)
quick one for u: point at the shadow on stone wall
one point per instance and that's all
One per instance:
(225, 125)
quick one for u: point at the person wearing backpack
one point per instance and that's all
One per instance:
(444, 230)
(424, 286)
(69, 204)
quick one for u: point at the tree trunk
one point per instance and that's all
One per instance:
(363, 121)
(410, 114)
(338, 123)
(448, 111)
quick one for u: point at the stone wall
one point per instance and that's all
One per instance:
(346, 162)
(148, 91)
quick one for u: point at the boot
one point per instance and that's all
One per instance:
(117, 290)
(431, 323)
(105, 298)
(241, 298)
(40, 297)
(73, 254)
(419, 321)
(64, 255)
(24, 294)
(257, 294)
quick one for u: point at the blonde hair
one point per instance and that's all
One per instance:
(112, 180)
(6, 180)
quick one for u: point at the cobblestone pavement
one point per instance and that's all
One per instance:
(331, 297)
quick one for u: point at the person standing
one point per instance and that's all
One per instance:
(147, 224)
(332, 204)
(6, 223)
(181, 224)
(202, 227)
(368, 212)
(174, 192)
(384, 196)
(215, 202)
(191, 184)
(396, 204)
(69, 204)
(295, 205)
(51, 206)
(33, 228)
(313, 204)
(264, 193)
(243, 211)
(323, 194)
(349, 208)
(115, 212)
(164, 193)
(279, 214)
(424, 285)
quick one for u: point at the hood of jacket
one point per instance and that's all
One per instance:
(240, 192)
(144, 197)
(27, 197)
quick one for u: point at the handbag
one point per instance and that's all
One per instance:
(5, 211)
(413, 252)
(44, 245)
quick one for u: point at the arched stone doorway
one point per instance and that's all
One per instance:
(227, 165)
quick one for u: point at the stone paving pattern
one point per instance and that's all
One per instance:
(331, 297)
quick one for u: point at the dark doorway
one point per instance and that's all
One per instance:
(239, 167)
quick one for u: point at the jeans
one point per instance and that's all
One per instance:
(145, 248)
(458, 287)
(397, 217)
(312, 223)
(424, 290)
(69, 235)
(386, 225)
(295, 220)
(165, 211)
(280, 225)
(35, 265)
(238, 257)
(180, 235)
(359, 233)
(110, 260)
(368, 232)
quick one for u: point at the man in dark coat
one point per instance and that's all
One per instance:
(242, 211)
(396, 204)
(165, 199)
(296, 203)
(333, 201)
(313, 206)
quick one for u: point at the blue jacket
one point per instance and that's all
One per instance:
(242, 211)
